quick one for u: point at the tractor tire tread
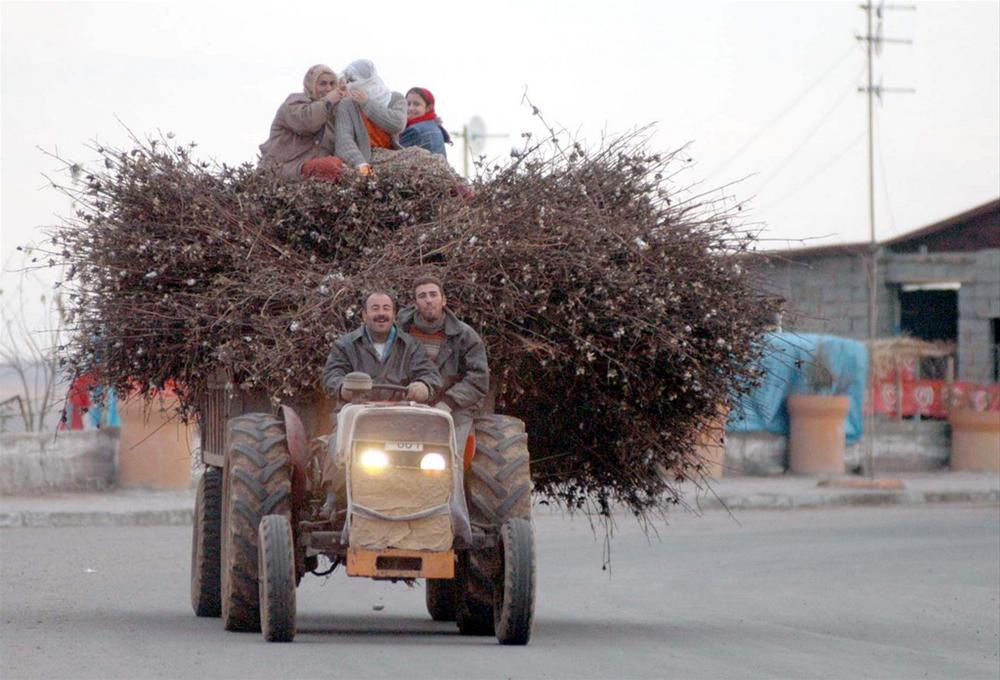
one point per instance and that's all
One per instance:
(514, 604)
(258, 483)
(206, 546)
(277, 579)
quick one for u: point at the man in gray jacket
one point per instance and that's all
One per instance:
(454, 347)
(380, 349)
(386, 353)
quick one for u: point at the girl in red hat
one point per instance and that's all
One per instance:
(423, 127)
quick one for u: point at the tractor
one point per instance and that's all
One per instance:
(259, 524)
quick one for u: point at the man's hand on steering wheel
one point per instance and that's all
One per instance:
(418, 392)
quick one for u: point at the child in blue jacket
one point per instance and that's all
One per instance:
(423, 127)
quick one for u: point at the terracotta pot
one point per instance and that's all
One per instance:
(155, 445)
(816, 438)
(975, 440)
(712, 443)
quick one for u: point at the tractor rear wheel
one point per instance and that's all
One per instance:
(205, 545)
(514, 595)
(440, 598)
(256, 483)
(276, 557)
(474, 609)
(498, 488)
(499, 481)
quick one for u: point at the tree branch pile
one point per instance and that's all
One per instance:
(612, 301)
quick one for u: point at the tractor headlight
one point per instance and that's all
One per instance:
(373, 460)
(433, 461)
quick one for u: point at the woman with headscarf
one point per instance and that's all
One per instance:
(423, 127)
(301, 140)
(371, 117)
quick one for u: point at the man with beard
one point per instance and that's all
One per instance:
(386, 353)
(454, 347)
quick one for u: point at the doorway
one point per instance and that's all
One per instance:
(929, 311)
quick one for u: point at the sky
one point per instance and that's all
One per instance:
(765, 93)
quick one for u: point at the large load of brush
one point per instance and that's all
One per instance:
(611, 297)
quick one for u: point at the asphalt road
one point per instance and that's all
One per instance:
(845, 593)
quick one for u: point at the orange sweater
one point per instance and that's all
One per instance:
(380, 139)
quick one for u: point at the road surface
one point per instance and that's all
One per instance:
(841, 593)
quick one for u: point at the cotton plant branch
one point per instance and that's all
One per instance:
(611, 295)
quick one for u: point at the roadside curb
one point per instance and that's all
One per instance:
(65, 518)
(853, 498)
(701, 502)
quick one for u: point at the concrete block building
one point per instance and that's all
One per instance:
(941, 282)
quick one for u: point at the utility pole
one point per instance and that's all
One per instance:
(473, 136)
(873, 42)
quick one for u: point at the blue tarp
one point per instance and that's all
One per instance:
(104, 409)
(786, 360)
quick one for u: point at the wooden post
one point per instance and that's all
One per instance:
(949, 380)
(899, 387)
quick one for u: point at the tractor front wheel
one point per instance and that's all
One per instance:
(205, 545)
(514, 594)
(276, 557)
(498, 488)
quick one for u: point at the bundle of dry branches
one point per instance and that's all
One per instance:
(613, 304)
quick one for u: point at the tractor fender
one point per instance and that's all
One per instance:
(298, 448)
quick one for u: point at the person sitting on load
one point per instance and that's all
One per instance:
(301, 139)
(370, 119)
(456, 350)
(386, 353)
(423, 127)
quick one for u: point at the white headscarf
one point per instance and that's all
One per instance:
(362, 76)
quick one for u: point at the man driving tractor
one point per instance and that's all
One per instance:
(387, 354)
(396, 500)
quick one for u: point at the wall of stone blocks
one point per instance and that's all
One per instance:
(898, 446)
(978, 305)
(829, 294)
(929, 268)
(80, 460)
(978, 300)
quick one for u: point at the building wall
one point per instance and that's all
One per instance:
(978, 273)
(899, 446)
(978, 304)
(828, 293)
(81, 460)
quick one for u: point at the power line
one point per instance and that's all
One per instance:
(791, 105)
(791, 156)
(819, 171)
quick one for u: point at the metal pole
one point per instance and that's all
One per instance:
(465, 151)
(872, 250)
(872, 261)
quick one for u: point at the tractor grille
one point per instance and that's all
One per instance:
(430, 427)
